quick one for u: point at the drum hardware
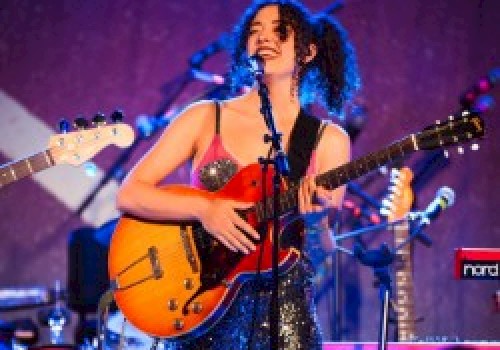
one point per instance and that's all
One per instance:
(56, 317)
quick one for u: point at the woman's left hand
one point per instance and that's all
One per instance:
(315, 201)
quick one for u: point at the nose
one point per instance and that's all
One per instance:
(264, 36)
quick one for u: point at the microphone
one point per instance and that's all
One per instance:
(256, 65)
(445, 197)
(211, 49)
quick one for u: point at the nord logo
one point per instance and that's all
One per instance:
(481, 270)
(477, 263)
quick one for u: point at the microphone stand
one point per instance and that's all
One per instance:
(281, 168)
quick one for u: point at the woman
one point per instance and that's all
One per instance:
(305, 58)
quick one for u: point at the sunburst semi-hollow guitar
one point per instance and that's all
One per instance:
(173, 280)
(73, 148)
(396, 206)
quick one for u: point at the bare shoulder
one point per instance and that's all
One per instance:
(197, 112)
(335, 134)
(334, 147)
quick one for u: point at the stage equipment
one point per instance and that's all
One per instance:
(122, 335)
(482, 86)
(281, 171)
(477, 263)
(19, 332)
(195, 278)
(87, 275)
(445, 198)
(20, 298)
(56, 317)
(414, 346)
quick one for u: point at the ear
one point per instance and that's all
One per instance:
(313, 50)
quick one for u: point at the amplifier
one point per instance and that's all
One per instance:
(413, 346)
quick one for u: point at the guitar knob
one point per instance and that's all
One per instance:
(446, 154)
(117, 116)
(81, 123)
(188, 283)
(99, 119)
(474, 147)
(465, 113)
(450, 118)
(460, 150)
(178, 324)
(64, 126)
(197, 307)
(172, 305)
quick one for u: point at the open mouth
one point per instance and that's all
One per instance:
(267, 52)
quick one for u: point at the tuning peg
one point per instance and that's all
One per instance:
(474, 147)
(117, 116)
(64, 126)
(460, 150)
(465, 113)
(99, 119)
(81, 123)
(451, 117)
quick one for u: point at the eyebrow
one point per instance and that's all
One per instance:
(258, 23)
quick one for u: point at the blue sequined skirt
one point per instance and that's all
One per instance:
(243, 328)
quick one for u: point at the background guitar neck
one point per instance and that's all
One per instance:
(18, 169)
(404, 300)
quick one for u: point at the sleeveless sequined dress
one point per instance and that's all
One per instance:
(298, 324)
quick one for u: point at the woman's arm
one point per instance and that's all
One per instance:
(140, 195)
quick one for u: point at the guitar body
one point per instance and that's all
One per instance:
(173, 279)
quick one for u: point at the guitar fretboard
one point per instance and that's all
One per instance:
(337, 177)
(18, 169)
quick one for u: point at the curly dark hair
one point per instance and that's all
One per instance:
(331, 77)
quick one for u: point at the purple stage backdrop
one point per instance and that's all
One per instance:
(70, 58)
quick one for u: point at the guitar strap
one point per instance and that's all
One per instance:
(304, 138)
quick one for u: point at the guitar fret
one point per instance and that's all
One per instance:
(28, 164)
(19, 170)
(13, 172)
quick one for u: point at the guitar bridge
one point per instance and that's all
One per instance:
(157, 272)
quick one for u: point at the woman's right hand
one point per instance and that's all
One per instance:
(220, 219)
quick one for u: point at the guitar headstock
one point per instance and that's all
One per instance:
(400, 198)
(464, 128)
(79, 146)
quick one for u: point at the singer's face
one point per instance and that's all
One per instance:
(273, 41)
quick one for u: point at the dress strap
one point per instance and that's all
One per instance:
(320, 133)
(217, 117)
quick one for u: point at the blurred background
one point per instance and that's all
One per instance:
(68, 59)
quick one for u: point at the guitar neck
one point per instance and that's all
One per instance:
(18, 169)
(404, 301)
(337, 177)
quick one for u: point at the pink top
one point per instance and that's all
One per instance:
(217, 152)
